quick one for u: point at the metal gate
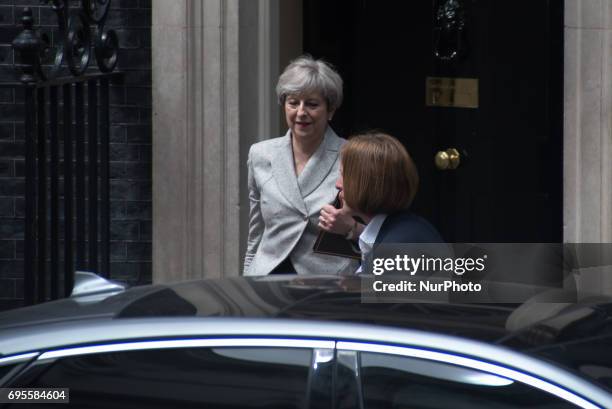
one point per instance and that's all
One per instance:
(67, 126)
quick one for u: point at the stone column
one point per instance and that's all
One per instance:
(588, 131)
(215, 63)
(196, 161)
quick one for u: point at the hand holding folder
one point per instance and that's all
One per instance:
(336, 244)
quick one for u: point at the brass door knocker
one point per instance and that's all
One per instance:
(448, 30)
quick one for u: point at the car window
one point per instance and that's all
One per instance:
(12, 365)
(226, 377)
(395, 382)
(5, 369)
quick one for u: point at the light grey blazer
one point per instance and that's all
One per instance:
(285, 209)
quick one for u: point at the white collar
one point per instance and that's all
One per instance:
(368, 236)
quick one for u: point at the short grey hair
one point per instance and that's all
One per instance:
(305, 74)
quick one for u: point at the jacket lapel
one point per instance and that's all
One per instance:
(283, 170)
(320, 163)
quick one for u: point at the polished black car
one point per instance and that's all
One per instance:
(294, 342)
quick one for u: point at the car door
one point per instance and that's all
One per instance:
(188, 373)
(394, 377)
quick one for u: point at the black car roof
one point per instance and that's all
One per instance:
(577, 336)
(320, 298)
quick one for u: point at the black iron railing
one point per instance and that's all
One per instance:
(66, 102)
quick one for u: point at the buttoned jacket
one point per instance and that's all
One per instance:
(284, 208)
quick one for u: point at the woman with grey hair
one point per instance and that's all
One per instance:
(292, 177)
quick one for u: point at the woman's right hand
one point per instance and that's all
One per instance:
(338, 221)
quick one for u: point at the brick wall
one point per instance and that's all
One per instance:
(130, 147)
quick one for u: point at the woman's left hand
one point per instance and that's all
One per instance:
(339, 221)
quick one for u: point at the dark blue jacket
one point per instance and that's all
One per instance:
(407, 227)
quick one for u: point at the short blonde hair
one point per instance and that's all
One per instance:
(378, 174)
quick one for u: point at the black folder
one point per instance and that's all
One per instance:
(336, 244)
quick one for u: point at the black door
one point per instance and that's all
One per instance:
(508, 185)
